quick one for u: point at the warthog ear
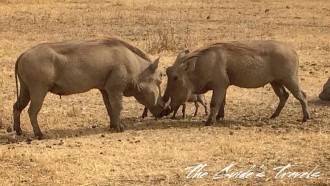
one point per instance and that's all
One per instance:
(181, 54)
(190, 65)
(168, 70)
(154, 65)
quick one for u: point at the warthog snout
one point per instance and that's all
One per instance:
(167, 109)
(158, 109)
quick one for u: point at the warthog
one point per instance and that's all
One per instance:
(111, 65)
(247, 64)
(195, 98)
(325, 94)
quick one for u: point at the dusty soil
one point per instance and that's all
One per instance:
(79, 149)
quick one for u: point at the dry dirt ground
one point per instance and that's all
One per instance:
(79, 150)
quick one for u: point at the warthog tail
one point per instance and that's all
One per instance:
(16, 75)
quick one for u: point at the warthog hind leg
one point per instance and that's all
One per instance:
(21, 103)
(293, 86)
(196, 108)
(302, 97)
(282, 95)
(37, 98)
(204, 103)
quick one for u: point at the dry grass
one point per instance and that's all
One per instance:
(80, 151)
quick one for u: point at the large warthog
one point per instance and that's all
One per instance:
(111, 65)
(325, 94)
(248, 64)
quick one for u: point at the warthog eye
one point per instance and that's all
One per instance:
(175, 78)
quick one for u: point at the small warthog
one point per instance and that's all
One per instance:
(325, 94)
(111, 65)
(195, 98)
(247, 64)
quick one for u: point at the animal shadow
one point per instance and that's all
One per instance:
(130, 124)
(319, 103)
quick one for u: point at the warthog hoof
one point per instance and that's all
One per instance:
(18, 131)
(144, 115)
(209, 122)
(274, 116)
(305, 118)
(39, 136)
(219, 117)
(119, 128)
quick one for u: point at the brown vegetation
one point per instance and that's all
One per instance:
(78, 149)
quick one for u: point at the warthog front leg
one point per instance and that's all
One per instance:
(174, 113)
(116, 103)
(201, 99)
(216, 101)
(106, 102)
(184, 111)
(196, 108)
(221, 112)
(145, 112)
(21, 103)
(114, 87)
